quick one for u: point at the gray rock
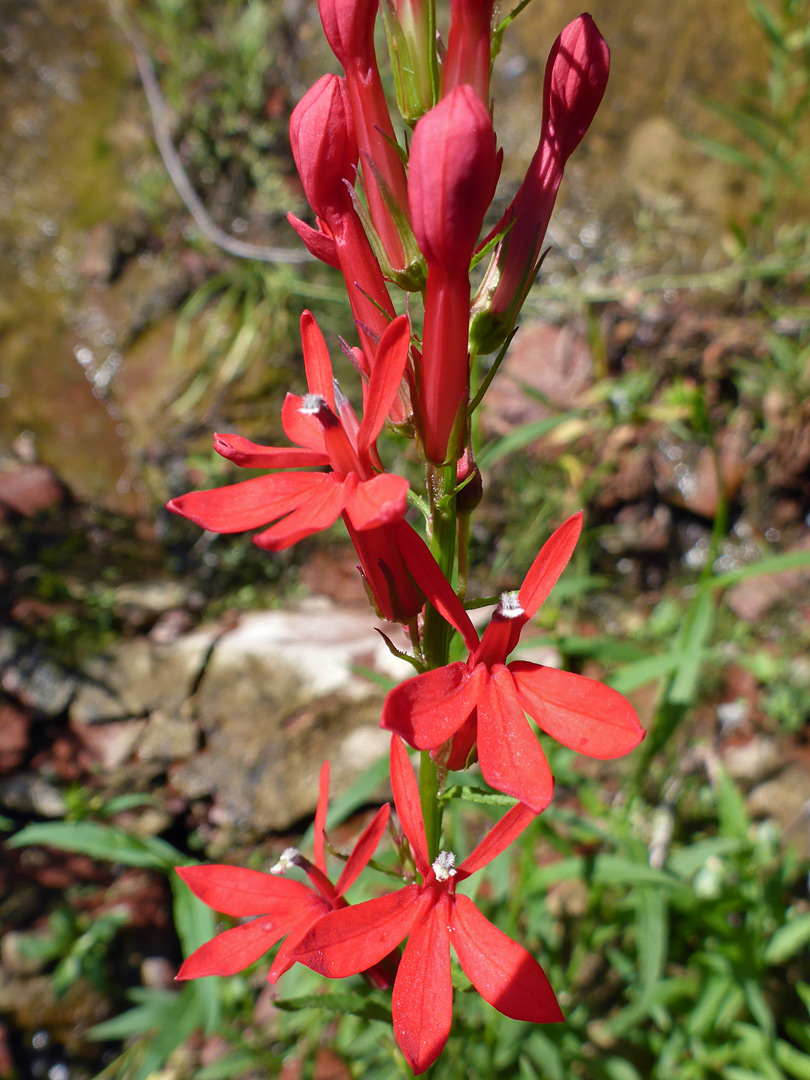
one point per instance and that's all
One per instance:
(138, 676)
(28, 674)
(278, 697)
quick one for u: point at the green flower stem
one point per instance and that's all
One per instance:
(441, 484)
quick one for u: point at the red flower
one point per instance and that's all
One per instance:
(349, 29)
(325, 152)
(575, 80)
(285, 908)
(327, 432)
(485, 699)
(452, 176)
(355, 938)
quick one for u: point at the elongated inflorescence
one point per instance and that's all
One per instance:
(402, 208)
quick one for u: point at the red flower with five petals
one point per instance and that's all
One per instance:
(285, 908)
(327, 432)
(485, 699)
(433, 918)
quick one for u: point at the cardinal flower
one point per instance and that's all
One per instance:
(327, 432)
(284, 908)
(433, 917)
(486, 699)
(454, 167)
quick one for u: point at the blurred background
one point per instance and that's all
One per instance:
(167, 695)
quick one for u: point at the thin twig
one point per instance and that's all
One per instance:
(158, 109)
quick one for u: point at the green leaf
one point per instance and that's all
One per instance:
(774, 564)
(619, 1069)
(478, 795)
(640, 672)
(758, 1007)
(144, 1017)
(367, 1008)
(686, 861)
(101, 842)
(731, 809)
(788, 940)
(691, 640)
(195, 924)
(793, 1061)
(231, 1065)
(520, 437)
(652, 933)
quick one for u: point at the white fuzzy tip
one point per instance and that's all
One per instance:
(509, 607)
(288, 858)
(311, 404)
(444, 866)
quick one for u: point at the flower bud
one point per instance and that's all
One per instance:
(575, 81)
(469, 43)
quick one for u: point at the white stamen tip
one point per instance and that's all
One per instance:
(444, 866)
(311, 404)
(509, 607)
(288, 858)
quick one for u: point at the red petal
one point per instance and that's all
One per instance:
(502, 972)
(580, 713)
(498, 839)
(378, 501)
(511, 758)
(324, 502)
(316, 360)
(236, 891)
(302, 428)
(422, 1001)
(386, 376)
(549, 564)
(363, 850)
(248, 504)
(428, 576)
(427, 709)
(316, 242)
(320, 817)
(283, 962)
(235, 949)
(408, 804)
(250, 455)
(356, 938)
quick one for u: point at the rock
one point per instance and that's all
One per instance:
(140, 603)
(549, 363)
(752, 760)
(751, 599)
(29, 489)
(28, 793)
(14, 723)
(30, 676)
(278, 697)
(138, 676)
(786, 800)
(168, 738)
(686, 474)
(109, 744)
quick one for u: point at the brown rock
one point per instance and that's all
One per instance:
(751, 599)
(29, 489)
(786, 800)
(547, 362)
(14, 723)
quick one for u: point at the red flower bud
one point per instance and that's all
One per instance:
(454, 168)
(576, 77)
(469, 43)
(323, 145)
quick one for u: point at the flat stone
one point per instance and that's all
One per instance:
(278, 696)
(28, 674)
(138, 676)
(168, 738)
